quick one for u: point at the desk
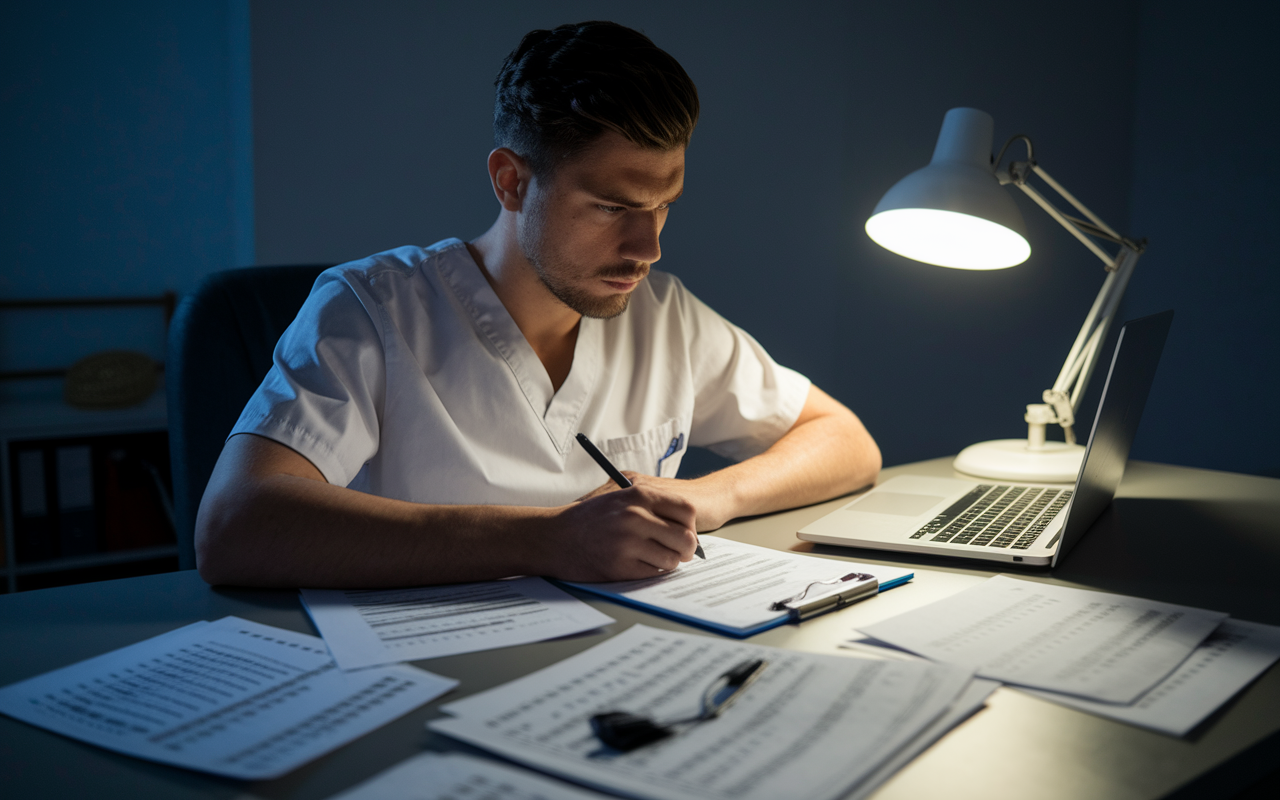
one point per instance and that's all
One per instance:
(1018, 747)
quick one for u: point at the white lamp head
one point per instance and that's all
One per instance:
(954, 212)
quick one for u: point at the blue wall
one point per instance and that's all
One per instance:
(1206, 189)
(127, 165)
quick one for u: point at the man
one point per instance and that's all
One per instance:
(418, 425)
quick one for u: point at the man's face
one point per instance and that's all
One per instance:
(591, 229)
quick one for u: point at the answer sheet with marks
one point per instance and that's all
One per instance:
(366, 627)
(1223, 664)
(231, 697)
(732, 591)
(1105, 647)
(810, 727)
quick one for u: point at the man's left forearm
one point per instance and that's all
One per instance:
(828, 452)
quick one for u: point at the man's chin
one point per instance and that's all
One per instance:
(603, 308)
(585, 303)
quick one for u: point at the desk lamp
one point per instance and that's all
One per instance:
(954, 213)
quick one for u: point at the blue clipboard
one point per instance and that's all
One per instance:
(781, 618)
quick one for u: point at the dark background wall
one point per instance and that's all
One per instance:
(1205, 191)
(371, 125)
(127, 165)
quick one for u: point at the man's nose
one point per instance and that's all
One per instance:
(641, 239)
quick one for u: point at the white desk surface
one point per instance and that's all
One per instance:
(1018, 747)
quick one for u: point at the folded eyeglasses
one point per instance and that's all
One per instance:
(626, 732)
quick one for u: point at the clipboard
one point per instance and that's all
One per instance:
(819, 591)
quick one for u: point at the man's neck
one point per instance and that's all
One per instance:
(550, 327)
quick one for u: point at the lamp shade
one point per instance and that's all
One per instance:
(954, 212)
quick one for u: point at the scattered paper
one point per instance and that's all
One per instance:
(453, 776)
(1223, 664)
(1104, 647)
(732, 590)
(970, 701)
(231, 697)
(809, 728)
(367, 627)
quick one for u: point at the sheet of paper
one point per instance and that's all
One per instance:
(734, 587)
(366, 627)
(1223, 664)
(1104, 647)
(231, 697)
(453, 776)
(809, 728)
(970, 702)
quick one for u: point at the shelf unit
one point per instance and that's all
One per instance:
(47, 417)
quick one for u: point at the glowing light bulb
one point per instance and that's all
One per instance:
(948, 238)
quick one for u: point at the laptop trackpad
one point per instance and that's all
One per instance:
(903, 505)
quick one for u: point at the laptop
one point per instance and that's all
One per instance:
(991, 520)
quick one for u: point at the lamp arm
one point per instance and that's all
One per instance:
(1071, 227)
(1068, 390)
(1018, 173)
(1070, 198)
(1096, 326)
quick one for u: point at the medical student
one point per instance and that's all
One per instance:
(418, 424)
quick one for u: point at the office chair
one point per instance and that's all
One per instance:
(220, 345)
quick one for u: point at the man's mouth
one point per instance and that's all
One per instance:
(622, 285)
(623, 282)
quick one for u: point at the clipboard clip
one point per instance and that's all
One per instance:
(864, 586)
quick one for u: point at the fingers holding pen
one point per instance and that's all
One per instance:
(627, 534)
(645, 519)
(666, 519)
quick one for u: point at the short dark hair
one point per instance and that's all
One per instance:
(561, 89)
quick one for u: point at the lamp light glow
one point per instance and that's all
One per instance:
(948, 238)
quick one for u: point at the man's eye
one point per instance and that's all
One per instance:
(611, 209)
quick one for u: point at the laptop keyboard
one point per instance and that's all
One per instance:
(997, 516)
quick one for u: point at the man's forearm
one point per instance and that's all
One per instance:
(827, 453)
(285, 530)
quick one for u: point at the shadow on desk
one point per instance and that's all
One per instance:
(1209, 554)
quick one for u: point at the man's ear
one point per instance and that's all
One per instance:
(510, 176)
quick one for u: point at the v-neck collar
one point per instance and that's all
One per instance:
(559, 412)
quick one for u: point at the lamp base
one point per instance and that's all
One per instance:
(1013, 460)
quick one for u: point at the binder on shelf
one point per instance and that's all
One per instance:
(77, 519)
(34, 536)
(78, 496)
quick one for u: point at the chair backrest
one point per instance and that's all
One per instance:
(220, 345)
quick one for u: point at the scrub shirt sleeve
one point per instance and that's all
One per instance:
(324, 394)
(744, 400)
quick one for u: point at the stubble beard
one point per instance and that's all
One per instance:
(550, 269)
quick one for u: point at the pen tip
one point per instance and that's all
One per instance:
(700, 554)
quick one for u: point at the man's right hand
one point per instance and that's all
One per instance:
(628, 534)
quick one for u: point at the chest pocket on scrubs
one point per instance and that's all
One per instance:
(657, 451)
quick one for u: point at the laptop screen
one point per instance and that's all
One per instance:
(1124, 395)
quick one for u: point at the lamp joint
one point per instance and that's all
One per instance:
(1020, 171)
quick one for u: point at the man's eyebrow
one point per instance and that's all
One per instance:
(619, 200)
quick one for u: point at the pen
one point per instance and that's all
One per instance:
(616, 476)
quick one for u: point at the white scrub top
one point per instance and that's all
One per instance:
(404, 376)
